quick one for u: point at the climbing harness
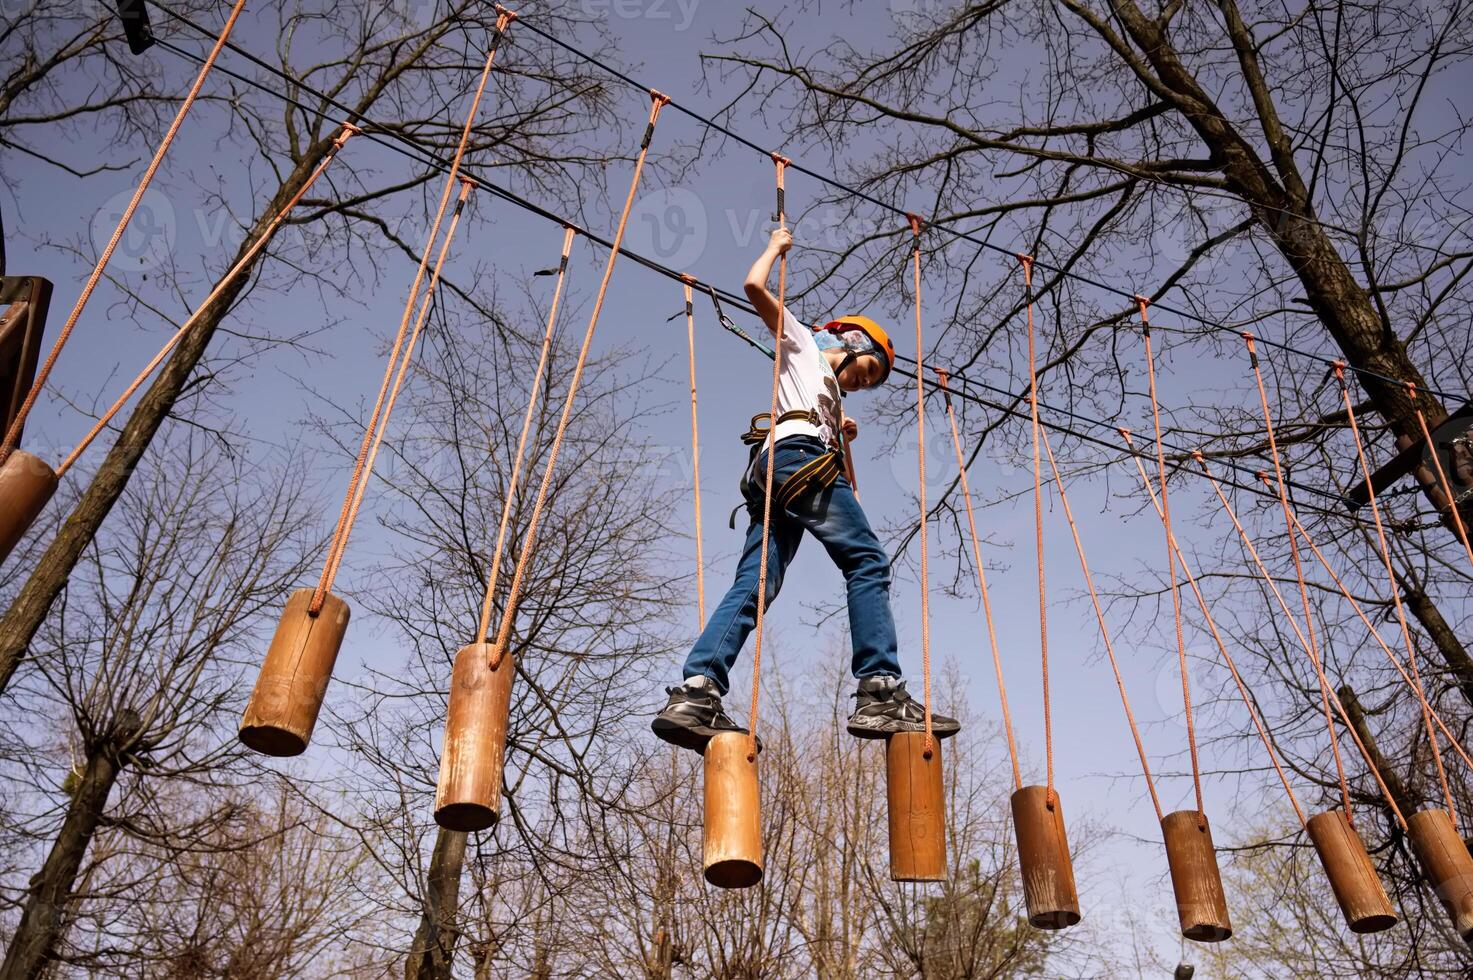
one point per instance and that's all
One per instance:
(815, 476)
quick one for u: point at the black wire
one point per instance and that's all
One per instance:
(839, 185)
(414, 150)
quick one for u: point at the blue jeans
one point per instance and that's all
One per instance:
(835, 518)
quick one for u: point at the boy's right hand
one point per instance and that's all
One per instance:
(781, 241)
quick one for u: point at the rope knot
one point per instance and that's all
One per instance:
(915, 223)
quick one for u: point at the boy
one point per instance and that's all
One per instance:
(809, 492)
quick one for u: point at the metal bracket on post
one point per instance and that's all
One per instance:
(136, 28)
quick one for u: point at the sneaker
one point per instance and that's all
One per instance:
(693, 715)
(884, 707)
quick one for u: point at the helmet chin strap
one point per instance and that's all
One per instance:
(849, 358)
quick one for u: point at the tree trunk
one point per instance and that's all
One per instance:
(1454, 655)
(43, 918)
(28, 611)
(432, 953)
(1394, 785)
(1283, 208)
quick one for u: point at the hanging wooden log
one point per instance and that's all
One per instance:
(1446, 864)
(283, 708)
(27, 484)
(1352, 877)
(733, 842)
(1200, 902)
(917, 808)
(1043, 855)
(471, 763)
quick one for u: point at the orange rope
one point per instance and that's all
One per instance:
(1227, 658)
(404, 362)
(1048, 720)
(1165, 514)
(265, 237)
(1447, 487)
(529, 540)
(340, 533)
(1401, 618)
(484, 626)
(1135, 732)
(1294, 625)
(695, 448)
(915, 232)
(1002, 690)
(1310, 642)
(781, 215)
(12, 435)
(1376, 635)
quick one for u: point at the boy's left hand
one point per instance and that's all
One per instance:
(851, 429)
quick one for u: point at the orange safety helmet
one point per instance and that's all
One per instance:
(884, 348)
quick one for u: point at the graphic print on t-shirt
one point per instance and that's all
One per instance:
(806, 383)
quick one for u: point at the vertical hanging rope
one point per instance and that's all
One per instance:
(781, 217)
(1293, 624)
(529, 540)
(1385, 551)
(1048, 718)
(915, 234)
(1311, 646)
(1135, 732)
(695, 447)
(265, 237)
(12, 434)
(1447, 487)
(1002, 690)
(404, 362)
(484, 627)
(1376, 635)
(1227, 658)
(1181, 643)
(340, 533)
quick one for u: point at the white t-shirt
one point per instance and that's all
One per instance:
(807, 382)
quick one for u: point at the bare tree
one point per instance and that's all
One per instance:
(134, 673)
(408, 79)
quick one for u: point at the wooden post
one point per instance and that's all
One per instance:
(26, 486)
(1362, 899)
(1200, 902)
(733, 819)
(1043, 855)
(293, 681)
(1446, 864)
(471, 763)
(917, 808)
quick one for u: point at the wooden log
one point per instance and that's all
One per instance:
(1446, 864)
(917, 808)
(471, 763)
(1200, 902)
(283, 708)
(733, 839)
(26, 486)
(1352, 877)
(1043, 855)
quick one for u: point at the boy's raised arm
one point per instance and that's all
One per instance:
(756, 285)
